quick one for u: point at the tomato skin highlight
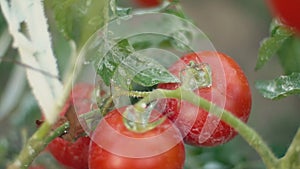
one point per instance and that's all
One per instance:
(229, 89)
(101, 158)
(74, 155)
(287, 11)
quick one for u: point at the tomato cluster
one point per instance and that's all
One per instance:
(112, 145)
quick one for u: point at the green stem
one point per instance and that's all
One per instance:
(250, 135)
(32, 148)
(57, 132)
(37, 143)
(291, 160)
(121, 92)
(105, 107)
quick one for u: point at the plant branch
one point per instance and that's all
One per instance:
(250, 135)
(121, 92)
(6, 59)
(57, 132)
(32, 148)
(294, 149)
(37, 143)
(291, 159)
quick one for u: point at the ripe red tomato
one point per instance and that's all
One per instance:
(287, 11)
(229, 89)
(71, 154)
(74, 154)
(148, 3)
(115, 147)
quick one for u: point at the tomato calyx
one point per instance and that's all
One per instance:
(196, 75)
(139, 121)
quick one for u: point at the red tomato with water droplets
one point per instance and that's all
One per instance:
(159, 148)
(287, 11)
(229, 90)
(73, 155)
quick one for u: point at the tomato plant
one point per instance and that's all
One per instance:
(229, 87)
(100, 157)
(73, 152)
(130, 55)
(287, 12)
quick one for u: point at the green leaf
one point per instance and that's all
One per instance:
(271, 45)
(143, 71)
(289, 55)
(110, 62)
(123, 66)
(78, 19)
(280, 87)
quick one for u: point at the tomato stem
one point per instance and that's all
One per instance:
(136, 125)
(292, 157)
(32, 148)
(104, 107)
(57, 132)
(37, 143)
(118, 91)
(250, 135)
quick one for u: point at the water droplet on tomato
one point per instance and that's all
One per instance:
(196, 76)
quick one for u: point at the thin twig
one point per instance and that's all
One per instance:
(6, 59)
